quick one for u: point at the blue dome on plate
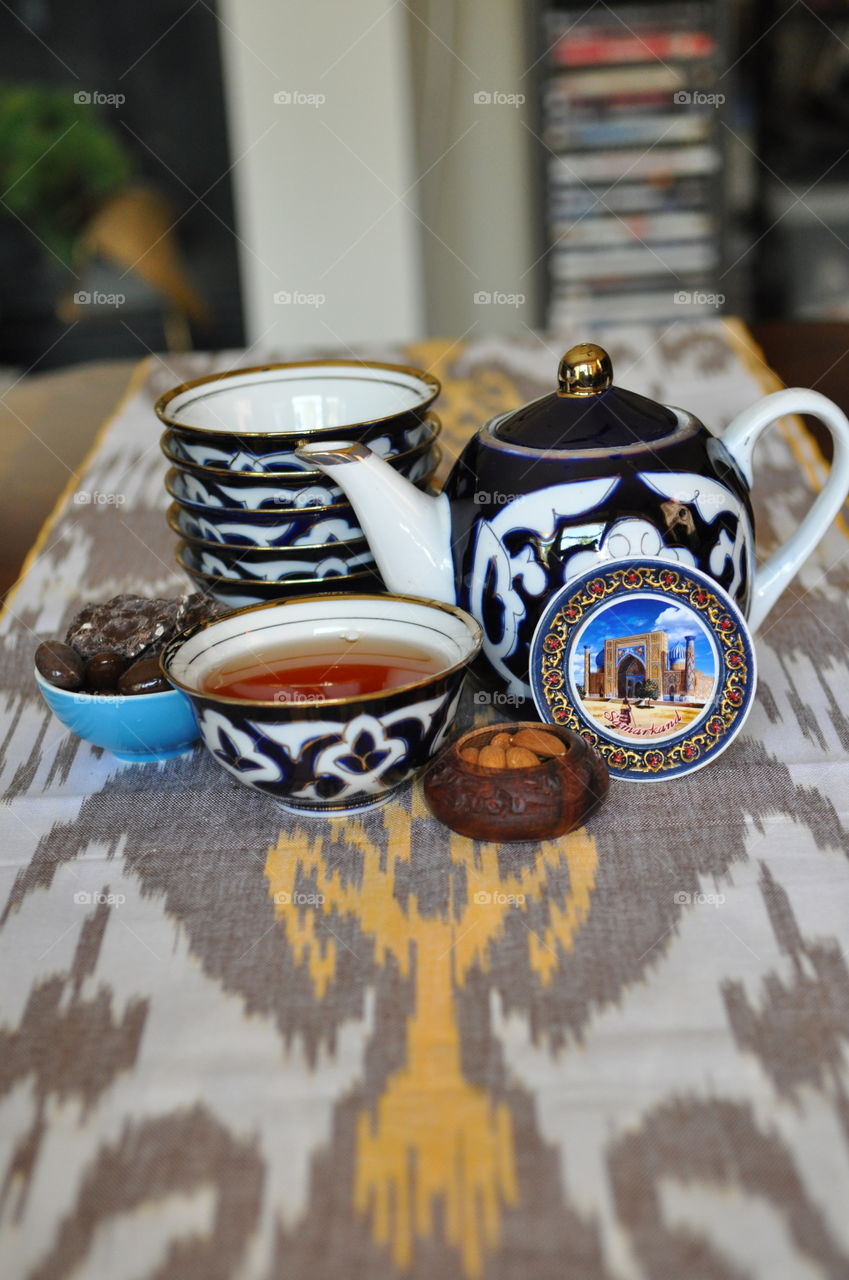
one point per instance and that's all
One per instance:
(678, 653)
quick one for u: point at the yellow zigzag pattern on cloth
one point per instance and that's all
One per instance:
(458, 1140)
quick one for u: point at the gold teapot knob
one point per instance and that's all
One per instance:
(585, 370)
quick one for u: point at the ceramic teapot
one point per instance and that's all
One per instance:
(586, 474)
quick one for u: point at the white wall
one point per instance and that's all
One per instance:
(317, 187)
(477, 162)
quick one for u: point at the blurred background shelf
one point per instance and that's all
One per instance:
(361, 174)
(630, 109)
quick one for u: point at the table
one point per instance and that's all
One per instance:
(619, 1055)
(47, 425)
(48, 421)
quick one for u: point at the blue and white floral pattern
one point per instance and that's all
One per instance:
(203, 454)
(732, 555)
(237, 750)
(311, 527)
(625, 539)
(332, 763)
(209, 492)
(239, 457)
(261, 496)
(243, 567)
(187, 487)
(359, 758)
(500, 568)
(523, 550)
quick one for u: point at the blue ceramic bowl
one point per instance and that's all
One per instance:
(224, 453)
(339, 559)
(262, 531)
(192, 489)
(238, 593)
(147, 726)
(270, 408)
(240, 489)
(327, 755)
(299, 526)
(292, 480)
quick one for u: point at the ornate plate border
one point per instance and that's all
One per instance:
(571, 607)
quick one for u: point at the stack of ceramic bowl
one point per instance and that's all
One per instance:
(255, 521)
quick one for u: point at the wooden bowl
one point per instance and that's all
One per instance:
(539, 802)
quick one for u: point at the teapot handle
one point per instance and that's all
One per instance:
(740, 439)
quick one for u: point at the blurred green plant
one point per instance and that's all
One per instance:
(58, 163)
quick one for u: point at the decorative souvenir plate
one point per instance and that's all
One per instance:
(652, 663)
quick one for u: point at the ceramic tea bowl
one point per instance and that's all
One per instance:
(404, 463)
(205, 488)
(273, 526)
(255, 409)
(335, 755)
(306, 527)
(322, 561)
(207, 492)
(227, 453)
(240, 591)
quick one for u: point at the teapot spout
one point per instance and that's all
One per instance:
(409, 532)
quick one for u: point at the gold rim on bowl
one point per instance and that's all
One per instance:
(311, 477)
(473, 628)
(173, 525)
(284, 512)
(310, 579)
(161, 406)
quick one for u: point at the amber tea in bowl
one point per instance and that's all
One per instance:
(345, 666)
(327, 703)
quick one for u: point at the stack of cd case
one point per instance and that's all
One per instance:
(631, 117)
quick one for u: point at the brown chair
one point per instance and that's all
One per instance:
(134, 230)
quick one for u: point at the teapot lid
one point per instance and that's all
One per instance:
(587, 411)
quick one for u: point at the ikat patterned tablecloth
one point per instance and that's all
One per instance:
(239, 1046)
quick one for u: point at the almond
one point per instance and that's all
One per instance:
(501, 740)
(493, 757)
(470, 755)
(520, 758)
(544, 744)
